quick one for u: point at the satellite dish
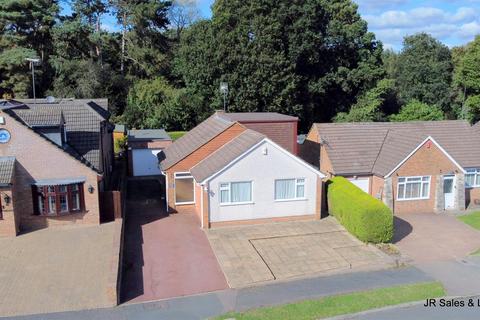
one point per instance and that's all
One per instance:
(50, 99)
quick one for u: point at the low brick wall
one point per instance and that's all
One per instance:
(115, 277)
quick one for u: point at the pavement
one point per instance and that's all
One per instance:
(217, 303)
(164, 255)
(58, 269)
(277, 251)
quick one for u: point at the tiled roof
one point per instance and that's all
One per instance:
(82, 124)
(7, 165)
(255, 116)
(365, 148)
(226, 154)
(194, 139)
(148, 134)
(47, 117)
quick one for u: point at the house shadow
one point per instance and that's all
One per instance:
(402, 229)
(144, 205)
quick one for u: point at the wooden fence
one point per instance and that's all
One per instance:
(111, 205)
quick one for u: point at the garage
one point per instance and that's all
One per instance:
(362, 183)
(145, 162)
(143, 148)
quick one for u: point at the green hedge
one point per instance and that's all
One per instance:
(369, 219)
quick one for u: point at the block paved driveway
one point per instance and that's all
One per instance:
(428, 237)
(164, 255)
(57, 269)
(276, 251)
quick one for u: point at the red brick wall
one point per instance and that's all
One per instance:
(282, 133)
(9, 223)
(38, 158)
(427, 161)
(159, 144)
(472, 195)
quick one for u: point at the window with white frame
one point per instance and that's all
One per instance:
(413, 188)
(236, 192)
(472, 178)
(290, 189)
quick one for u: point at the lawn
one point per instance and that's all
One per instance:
(176, 134)
(345, 303)
(472, 219)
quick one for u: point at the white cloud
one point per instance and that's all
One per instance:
(452, 28)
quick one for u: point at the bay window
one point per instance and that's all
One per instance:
(236, 192)
(55, 200)
(472, 178)
(413, 188)
(290, 189)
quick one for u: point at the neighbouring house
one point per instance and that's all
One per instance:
(280, 128)
(55, 159)
(143, 148)
(226, 173)
(411, 166)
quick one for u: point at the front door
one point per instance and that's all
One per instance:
(448, 191)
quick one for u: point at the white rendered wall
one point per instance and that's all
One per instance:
(263, 170)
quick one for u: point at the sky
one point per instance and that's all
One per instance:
(453, 22)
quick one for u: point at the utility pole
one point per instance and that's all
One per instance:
(33, 61)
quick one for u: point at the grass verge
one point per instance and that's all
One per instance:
(472, 219)
(176, 134)
(344, 304)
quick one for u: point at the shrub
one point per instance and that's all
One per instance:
(367, 218)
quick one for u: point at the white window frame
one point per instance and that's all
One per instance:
(422, 182)
(476, 173)
(297, 183)
(180, 176)
(229, 189)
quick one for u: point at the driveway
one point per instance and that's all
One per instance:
(277, 251)
(428, 237)
(59, 269)
(165, 255)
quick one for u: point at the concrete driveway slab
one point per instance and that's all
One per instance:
(278, 251)
(165, 255)
(57, 269)
(428, 237)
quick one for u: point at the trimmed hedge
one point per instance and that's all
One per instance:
(367, 218)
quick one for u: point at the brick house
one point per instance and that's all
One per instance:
(411, 166)
(226, 173)
(55, 158)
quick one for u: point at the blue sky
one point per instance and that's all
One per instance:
(454, 22)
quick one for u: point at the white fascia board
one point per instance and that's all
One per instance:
(311, 168)
(418, 147)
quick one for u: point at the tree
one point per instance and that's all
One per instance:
(156, 104)
(25, 32)
(424, 71)
(374, 105)
(467, 78)
(309, 58)
(182, 14)
(144, 44)
(418, 111)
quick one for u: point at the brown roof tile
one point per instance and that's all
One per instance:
(377, 147)
(194, 139)
(226, 154)
(7, 165)
(256, 116)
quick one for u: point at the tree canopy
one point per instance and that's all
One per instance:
(161, 66)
